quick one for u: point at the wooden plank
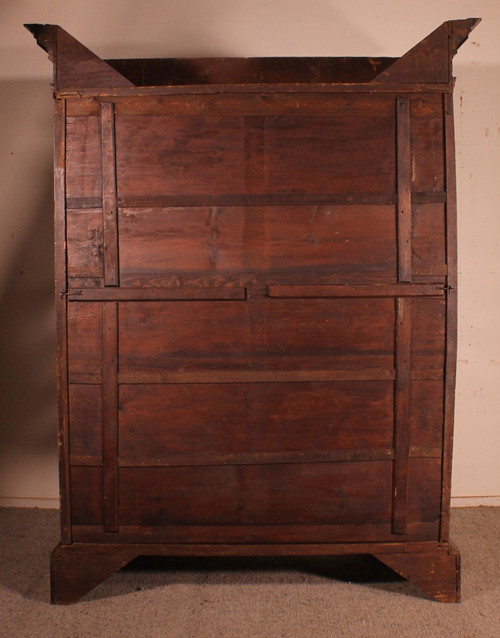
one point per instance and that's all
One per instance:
(451, 316)
(74, 64)
(401, 415)
(109, 207)
(300, 334)
(156, 294)
(61, 316)
(428, 332)
(110, 415)
(167, 155)
(353, 373)
(277, 199)
(201, 89)
(226, 421)
(85, 243)
(289, 243)
(83, 161)
(315, 493)
(356, 290)
(234, 104)
(321, 544)
(403, 149)
(263, 458)
(84, 338)
(85, 421)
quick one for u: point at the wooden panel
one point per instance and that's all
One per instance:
(428, 332)
(227, 104)
(427, 141)
(429, 239)
(286, 334)
(86, 496)
(268, 494)
(401, 409)
(240, 419)
(403, 146)
(85, 422)
(84, 243)
(426, 413)
(84, 337)
(295, 242)
(164, 155)
(424, 489)
(109, 209)
(83, 157)
(109, 414)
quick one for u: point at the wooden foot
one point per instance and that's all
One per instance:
(76, 569)
(437, 573)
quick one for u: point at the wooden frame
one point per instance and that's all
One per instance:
(256, 308)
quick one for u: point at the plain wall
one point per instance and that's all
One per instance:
(157, 28)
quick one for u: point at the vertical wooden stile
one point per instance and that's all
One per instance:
(403, 151)
(109, 204)
(110, 414)
(451, 314)
(401, 415)
(61, 287)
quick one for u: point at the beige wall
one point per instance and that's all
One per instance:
(157, 28)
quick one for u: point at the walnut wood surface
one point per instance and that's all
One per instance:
(256, 267)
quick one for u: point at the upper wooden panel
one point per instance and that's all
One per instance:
(77, 67)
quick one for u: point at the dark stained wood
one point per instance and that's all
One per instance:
(401, 410)
(165, 155)
(109, 414)
(404, 158)
(430, 59)
(255, 275)
(437, 573)
(166, 536)
(429, 240)
(85, 421)
(83, 159)
(451, 317)
(156, 294)
(359, 290)
(307, 334)
(109, 209)
(61, 317)
(279, 199)
(264, 421)
(350, 370)
(76, 570)
(74, 64)
(357, 492)
(84, 236)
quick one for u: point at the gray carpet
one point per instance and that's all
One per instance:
(355, 597)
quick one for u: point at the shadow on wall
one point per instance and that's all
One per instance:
(27, 319)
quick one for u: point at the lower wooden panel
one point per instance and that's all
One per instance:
(257, 494)
(238, 418)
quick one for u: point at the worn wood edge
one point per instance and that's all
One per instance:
(249, 376)
(255, 549)
(451, 318)
(242, 199)
(74, 571)
(437, 572)
(62, 379)
(399, 88)
(109, 414)
(261, 458)
(355, 290)
(401, 415)
(403, 181)
(109, 203)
